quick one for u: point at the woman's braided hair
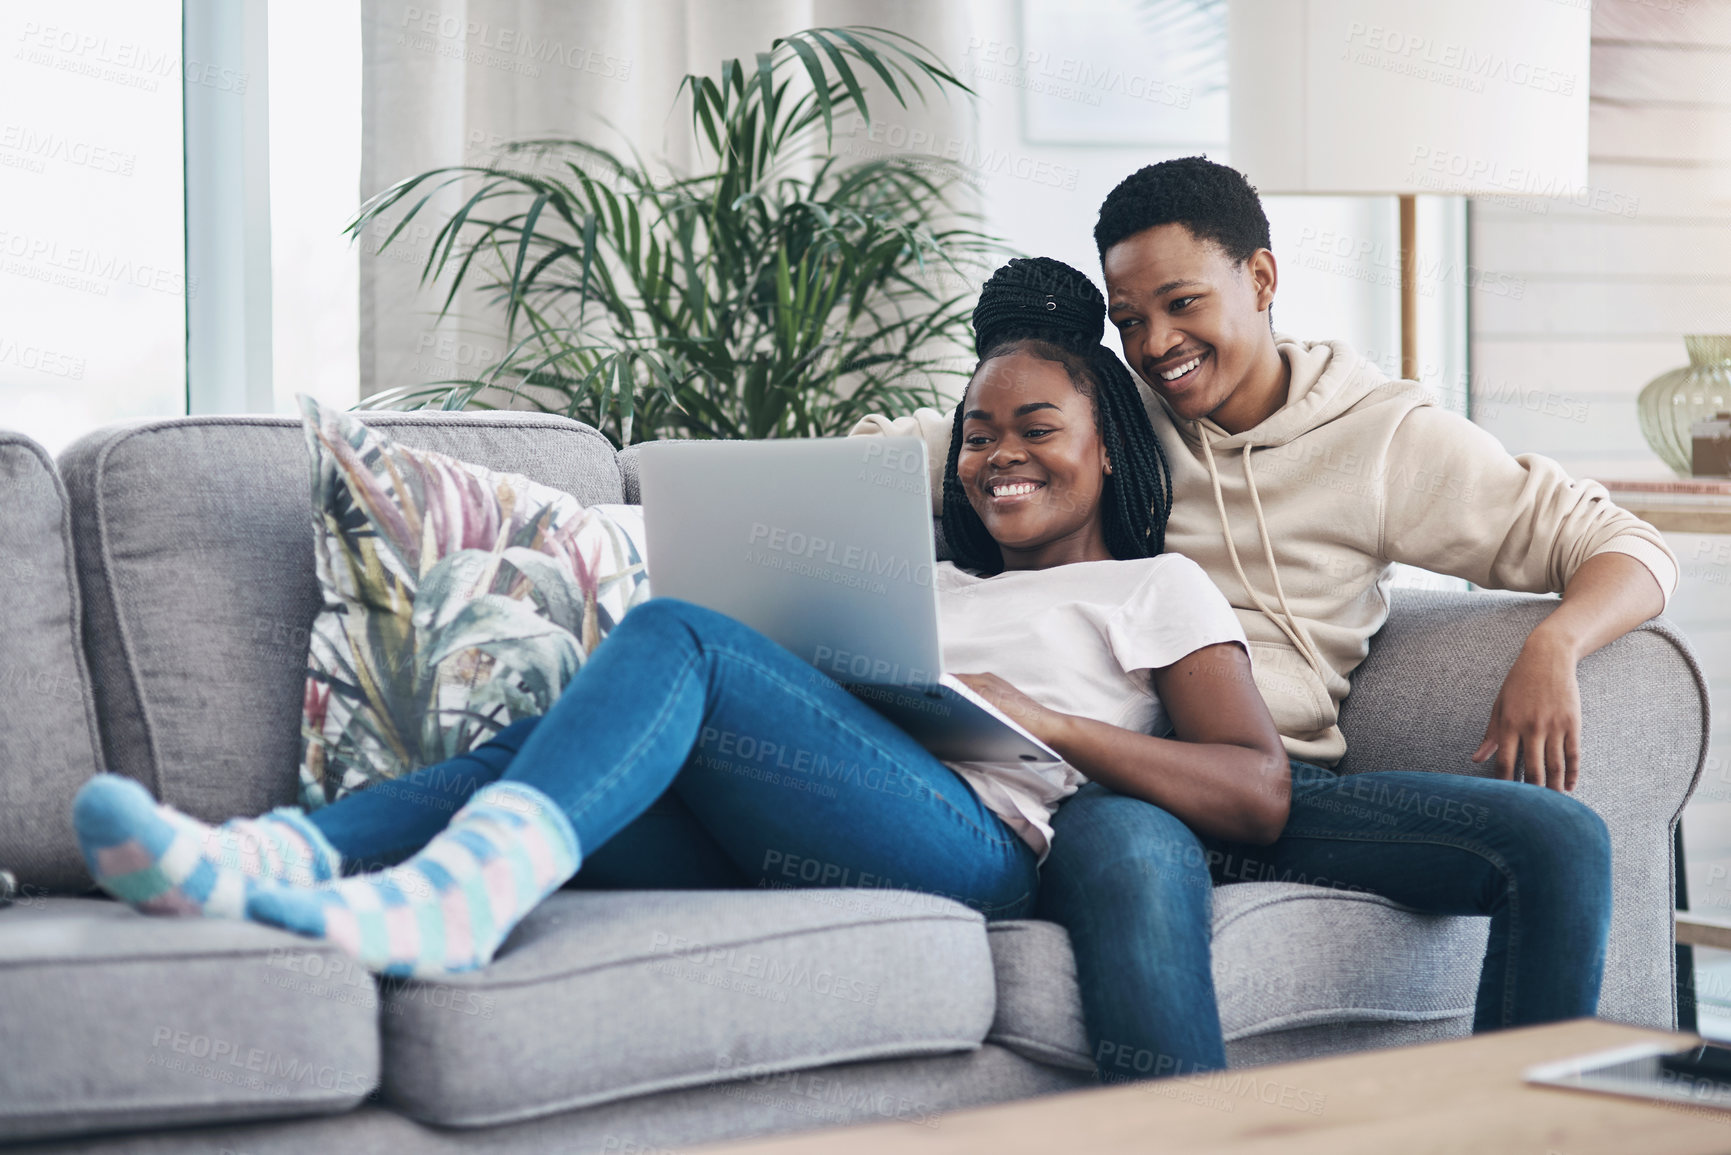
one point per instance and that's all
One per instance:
(1047, 309)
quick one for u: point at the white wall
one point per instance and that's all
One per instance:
(1610, 288)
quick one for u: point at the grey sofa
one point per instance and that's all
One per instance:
(156, 588)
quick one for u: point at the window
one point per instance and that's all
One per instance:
(93, 283)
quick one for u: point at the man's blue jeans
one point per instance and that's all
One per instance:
(1133, 885)
(741, 766)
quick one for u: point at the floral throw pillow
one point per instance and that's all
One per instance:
(456, 600)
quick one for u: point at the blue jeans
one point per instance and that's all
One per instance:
(702, 754)
(1134, 885)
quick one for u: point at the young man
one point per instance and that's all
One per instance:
(1300, 475)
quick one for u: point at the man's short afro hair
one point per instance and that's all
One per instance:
(1214, 202)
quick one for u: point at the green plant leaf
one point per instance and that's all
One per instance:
(777, 289)
(534, 214)
(819, 81)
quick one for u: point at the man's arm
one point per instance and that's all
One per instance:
(1537, 715)
(1521, 523)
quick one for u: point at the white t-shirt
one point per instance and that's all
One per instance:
(1080, 639)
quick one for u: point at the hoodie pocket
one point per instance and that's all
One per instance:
(1296, 698)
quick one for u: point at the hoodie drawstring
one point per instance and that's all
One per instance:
(1290, 626)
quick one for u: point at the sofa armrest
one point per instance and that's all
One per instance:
(1421, 701)
(628, 475)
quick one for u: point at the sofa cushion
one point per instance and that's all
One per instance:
(47, 721)
(114, 1020)
(457, 599)
(1319, 1040)
(1286, 956)
(601, 995)
(1421, 701)
(1289, 954)
(912, 1092)
(195, 560)
(1039, 1012)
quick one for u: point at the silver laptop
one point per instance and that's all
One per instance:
(825, 546)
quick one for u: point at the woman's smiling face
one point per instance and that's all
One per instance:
(1032, 462)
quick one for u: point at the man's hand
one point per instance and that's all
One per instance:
(1042, 722)
(1537, 717)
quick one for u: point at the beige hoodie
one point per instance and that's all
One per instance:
(1299, 520)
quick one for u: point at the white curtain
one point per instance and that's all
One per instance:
(448, 82)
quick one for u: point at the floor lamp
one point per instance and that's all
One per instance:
(1410, 97)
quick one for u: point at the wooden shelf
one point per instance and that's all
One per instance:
(1697, 505)
(1703, 930)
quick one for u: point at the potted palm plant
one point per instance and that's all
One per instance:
(777, 292)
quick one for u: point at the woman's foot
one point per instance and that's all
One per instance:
(161, 861)
(449, 907)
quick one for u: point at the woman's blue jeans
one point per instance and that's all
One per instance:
(1133, 885)
(691, 751)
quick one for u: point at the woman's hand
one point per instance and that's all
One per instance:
(1537, 717)
(1044, 723)
(1224, 772)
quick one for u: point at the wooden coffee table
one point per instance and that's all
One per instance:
(1465, 1095)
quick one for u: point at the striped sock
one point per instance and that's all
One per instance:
(449, 907)
(160, 861)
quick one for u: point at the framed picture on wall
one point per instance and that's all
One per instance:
(1121, 72)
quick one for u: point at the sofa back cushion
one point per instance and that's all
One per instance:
(47, 722)
(195, 559)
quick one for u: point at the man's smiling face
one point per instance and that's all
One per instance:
(1193, 323)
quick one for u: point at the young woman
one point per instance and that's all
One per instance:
(1063, 609)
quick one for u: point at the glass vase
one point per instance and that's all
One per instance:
(1673, 401)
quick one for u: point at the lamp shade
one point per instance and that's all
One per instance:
(1378, 97)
